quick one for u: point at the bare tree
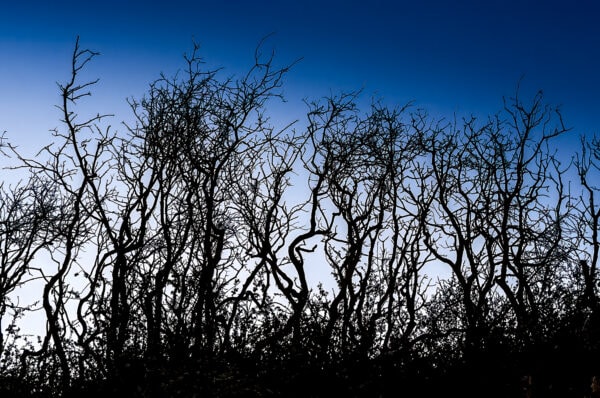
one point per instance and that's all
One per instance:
(495, 219)
(177, 251)
(28, 216)
(584, 230)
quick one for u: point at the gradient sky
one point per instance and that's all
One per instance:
(447, 56)
(453, 57)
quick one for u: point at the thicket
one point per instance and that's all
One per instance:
(174, 257)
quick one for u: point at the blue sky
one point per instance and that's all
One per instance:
(447, 56)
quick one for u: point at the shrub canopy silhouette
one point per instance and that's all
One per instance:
(174, 255)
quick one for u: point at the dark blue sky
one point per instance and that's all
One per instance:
(448, 57)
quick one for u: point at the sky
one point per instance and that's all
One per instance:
(448, 57)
